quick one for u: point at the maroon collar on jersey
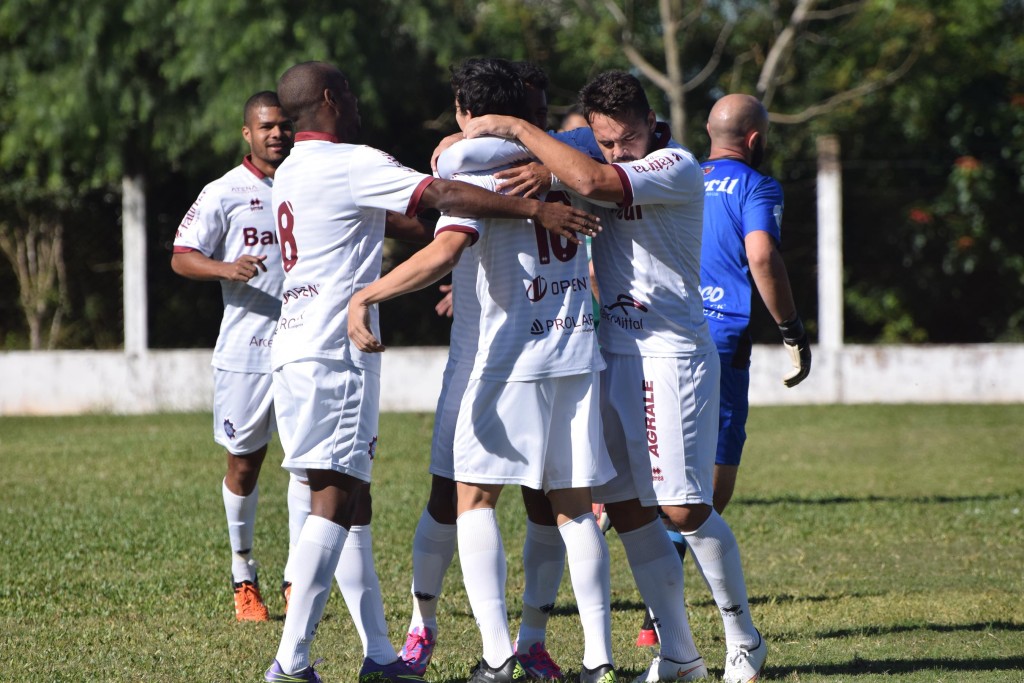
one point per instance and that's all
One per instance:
(251, 167)
(662, 134)
(314, 135)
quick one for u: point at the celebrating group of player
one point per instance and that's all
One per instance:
(536, 393)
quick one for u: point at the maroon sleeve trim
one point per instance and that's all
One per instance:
(414, 201)
(183, 250)
(463, 229)
(627, 187)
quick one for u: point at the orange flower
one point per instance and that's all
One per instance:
(968, 164)
(920, 216)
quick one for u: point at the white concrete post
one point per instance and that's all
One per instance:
(830, 244)
(133, 278)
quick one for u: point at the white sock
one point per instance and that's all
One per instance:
(589, 567)
(543, 564)
(717, 555)
(484, 571)
(659, 577)
(433, 547)
(357, 579)
(316, 558)
(298, 510)
(241, 514)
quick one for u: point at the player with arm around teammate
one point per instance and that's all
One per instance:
(660, 389)
(332, 200)
(527, 413)
(482, 86)
(229, 235)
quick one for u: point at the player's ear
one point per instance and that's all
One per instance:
(247, 134)
(652, 120)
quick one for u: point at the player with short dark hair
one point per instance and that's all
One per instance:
(519, 406)
(660, 390)
(334, 201)
(228, 235)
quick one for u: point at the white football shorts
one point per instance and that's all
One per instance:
(327, 416)
(243, 410)
(660, 419)
(545, 434)
(453, 386)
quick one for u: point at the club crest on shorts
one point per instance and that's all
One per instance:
(229, 429)
(372, 450)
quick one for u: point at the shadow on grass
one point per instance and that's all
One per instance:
(858, 665)
(910, 628)
(914, 500)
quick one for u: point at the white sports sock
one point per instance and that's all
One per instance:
(543, 564)
(717, 555)
(357, 578)
(659, 578)
(589, 566)
(298, 510)
(484, 571)
(316, 558)
(433, 547)
(241, 514)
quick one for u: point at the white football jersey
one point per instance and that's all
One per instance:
(331, 200)
(530, 294)
(647, 258)
(231, 217)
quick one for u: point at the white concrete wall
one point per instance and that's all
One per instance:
(75, 382)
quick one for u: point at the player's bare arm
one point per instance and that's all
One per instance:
(772, 281)
(463, 199)
(442, 146)
(423, 268)
(770, 275)
(524, 180)
(406, 228)
(578, 171)
(197, 266)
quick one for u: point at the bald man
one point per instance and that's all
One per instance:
(742, 232)
(334, 202)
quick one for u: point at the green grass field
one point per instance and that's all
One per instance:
(881, 543)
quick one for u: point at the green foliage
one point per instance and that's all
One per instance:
(98, 89)
(871, 552)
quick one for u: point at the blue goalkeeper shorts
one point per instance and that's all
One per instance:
(732, 414)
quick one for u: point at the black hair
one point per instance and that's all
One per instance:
(615, 94)
(533, 76)
(489, 86)
(264, 98)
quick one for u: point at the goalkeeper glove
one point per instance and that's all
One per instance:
(794, 338)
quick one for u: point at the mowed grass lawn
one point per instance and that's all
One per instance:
(881, 543)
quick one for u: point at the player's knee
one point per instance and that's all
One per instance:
(687, 518)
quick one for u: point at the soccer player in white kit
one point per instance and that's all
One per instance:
(660, 389)
(529, 411)
(332, 200)
(229, 235)
(435, 537)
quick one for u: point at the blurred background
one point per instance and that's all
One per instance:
(105, 100)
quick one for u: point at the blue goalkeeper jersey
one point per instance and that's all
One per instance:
(737, 201)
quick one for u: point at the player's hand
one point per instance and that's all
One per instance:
(359, 332)
(794, 338)
(246, 268)
(445, 307)
(441, 147)
(524, 180)
(565, 221)
(492, 124)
